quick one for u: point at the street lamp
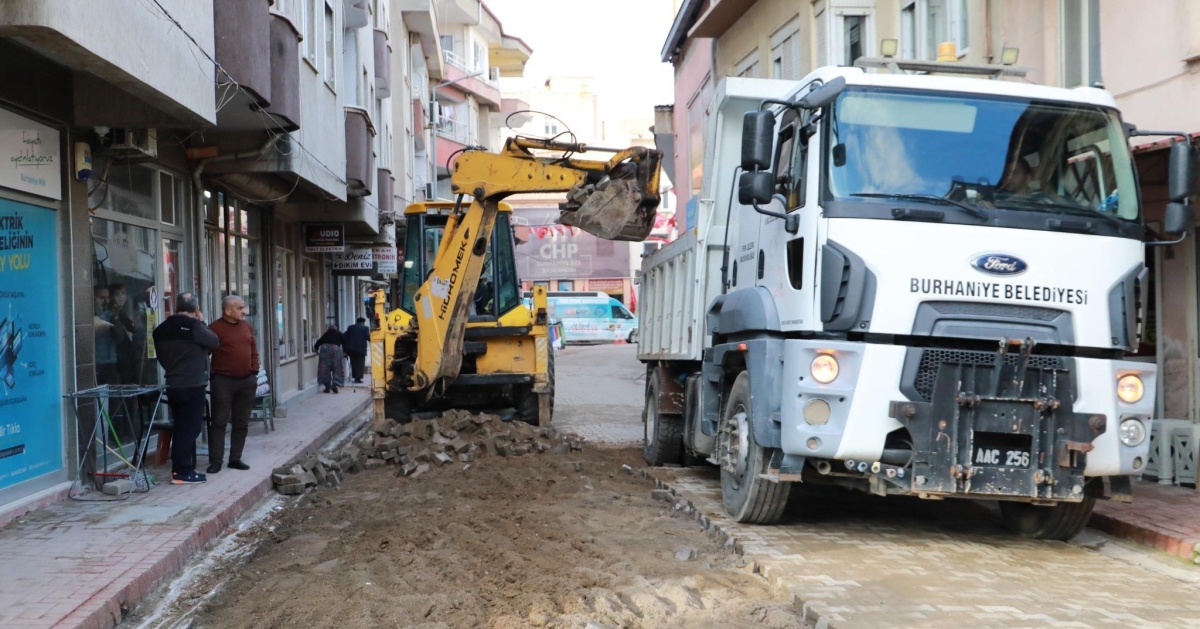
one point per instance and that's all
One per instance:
(433, 108)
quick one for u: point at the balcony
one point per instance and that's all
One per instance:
(242, 46)
(480, 86)
(452, 129)
(285, 74)
(384, 192)
(383, 65)
(357, 14)
(360, 156)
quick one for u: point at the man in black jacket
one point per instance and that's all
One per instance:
(358, 338)
(183, 343)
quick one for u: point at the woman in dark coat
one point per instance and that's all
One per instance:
(331, 370)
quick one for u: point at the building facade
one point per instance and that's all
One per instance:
(212, 168)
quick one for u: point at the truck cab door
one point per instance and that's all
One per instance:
(789, 260)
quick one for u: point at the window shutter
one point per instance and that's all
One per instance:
(791, 58)
(822, 40)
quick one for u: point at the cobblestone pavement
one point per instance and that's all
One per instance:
(853, 560)
(598, 393)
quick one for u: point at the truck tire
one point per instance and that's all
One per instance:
(663, 441)
(1060, 522)
(748, 498)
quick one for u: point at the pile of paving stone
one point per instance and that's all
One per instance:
(416, 447)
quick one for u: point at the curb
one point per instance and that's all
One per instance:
(732, 543)
(1153, 537)
(110, 614)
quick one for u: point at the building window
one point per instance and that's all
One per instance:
(310, 31)
(944, 21)
(310, 298)
(481, 57)
(285, 281)
(785, 52)
(748, 66)
(853, 27)
(1079, 38)
(330, 51)
(908, 31)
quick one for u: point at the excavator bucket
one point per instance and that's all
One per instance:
(621, 204)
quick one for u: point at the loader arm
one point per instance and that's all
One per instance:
(614, 199)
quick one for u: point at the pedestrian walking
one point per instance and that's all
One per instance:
(234, 381)
(183, 343)
(358, 339)
(331, 371)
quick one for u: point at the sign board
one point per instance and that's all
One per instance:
(606, 285)
(354, 261)
(385, 260)
(30, 159)
(31, 403)
(559, 252)
(324, 238)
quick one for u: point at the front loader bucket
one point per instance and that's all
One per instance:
(621, 206)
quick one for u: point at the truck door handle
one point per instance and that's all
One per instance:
(762, 263)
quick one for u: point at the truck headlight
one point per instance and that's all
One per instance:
(824, 368)
(1132, 432)
(1130, 389)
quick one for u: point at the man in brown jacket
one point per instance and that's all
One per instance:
(234, 380)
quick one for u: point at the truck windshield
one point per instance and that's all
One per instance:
(988, 153)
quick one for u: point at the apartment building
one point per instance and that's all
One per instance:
(163, 146)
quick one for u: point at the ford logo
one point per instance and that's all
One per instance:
(999, 264)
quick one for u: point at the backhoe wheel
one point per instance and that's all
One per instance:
(747, 497)
(664, 433)
(535, 408)
(1061, 522)
(397, 406)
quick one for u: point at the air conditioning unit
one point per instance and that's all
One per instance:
(132, 143)
(494, 73)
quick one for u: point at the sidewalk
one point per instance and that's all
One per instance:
(79, 564)
(1165, 517)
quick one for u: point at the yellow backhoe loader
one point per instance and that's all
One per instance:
(462, 336)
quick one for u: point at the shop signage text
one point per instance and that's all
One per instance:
(29, 156)
(354, 261)
(324, 238)
(385, 260)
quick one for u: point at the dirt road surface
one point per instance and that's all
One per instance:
(510, 542)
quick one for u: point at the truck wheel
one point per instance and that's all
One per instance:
(747, 497)
(1060, 522)
(397, 406)
(663, 441)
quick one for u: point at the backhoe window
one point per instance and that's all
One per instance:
(993, 153)
(498, 283)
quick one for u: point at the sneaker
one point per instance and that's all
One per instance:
(238, 465)
(190, 478)
(214, 467)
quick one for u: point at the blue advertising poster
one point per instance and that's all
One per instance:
(30, 396)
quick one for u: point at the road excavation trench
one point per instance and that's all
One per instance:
(525, 541)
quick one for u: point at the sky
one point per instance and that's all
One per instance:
(616, 41)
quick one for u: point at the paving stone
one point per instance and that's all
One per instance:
(661, 494)
(372, 464)
(292, 489)
(421, 469)
(466, 457)
(118, 487)
(286, 479)
(442, 458)
(685, 553)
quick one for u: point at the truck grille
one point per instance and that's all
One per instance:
(931, 359)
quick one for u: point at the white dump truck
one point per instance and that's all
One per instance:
(910, 284)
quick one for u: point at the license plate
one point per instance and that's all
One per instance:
(1000, 457)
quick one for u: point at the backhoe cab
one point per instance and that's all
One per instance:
(461, 337)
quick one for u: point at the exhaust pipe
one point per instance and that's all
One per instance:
(823, 467)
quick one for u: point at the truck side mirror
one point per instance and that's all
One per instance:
(758, 132)
(756, 188)
(1181, 178)
(1179, 217)
(823, 95)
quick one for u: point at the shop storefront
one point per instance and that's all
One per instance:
(32, 372)
(142, 260)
